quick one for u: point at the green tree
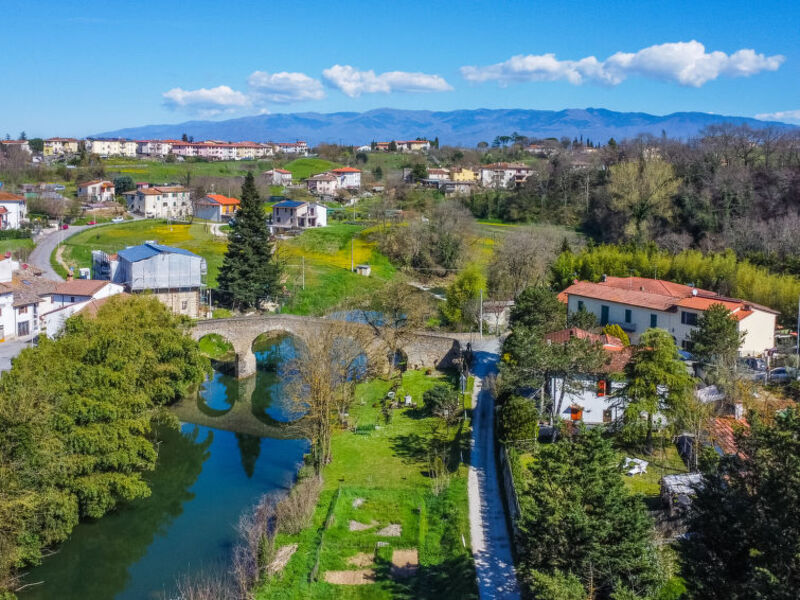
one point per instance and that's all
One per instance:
(538, 307)
(556, 586)
(36, 145)
(461, 306)
(419, 171)
(122, 184)
(577, 517)
(442, 401)
(250, 272)
(518, 421)
(717, 339)
(744, 524)
(377, 172)
(615, 330)
(656, 379)
(641, 191)
(582, 319)
(392, 146)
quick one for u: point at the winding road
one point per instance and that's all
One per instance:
(46, 243)
(491, 541)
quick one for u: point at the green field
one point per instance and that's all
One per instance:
(19, 248)
(326, 252)
(306, 167)
(385, 465)
(157, 171)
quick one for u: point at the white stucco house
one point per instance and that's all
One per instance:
(504, 175)
(70, 297)
(637, 304)
(349, 177)
(13, 210)
(96, 191)
(279, 177)
(162, 202)
(293, 214)
(323, 184)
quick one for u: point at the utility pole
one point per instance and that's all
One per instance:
(481, 317)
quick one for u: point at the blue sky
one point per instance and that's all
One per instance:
(73, 68)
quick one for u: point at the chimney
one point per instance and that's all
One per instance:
(694, 291)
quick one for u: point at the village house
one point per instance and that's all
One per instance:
(299, 147)
(96, 191)
(463, 174)
(184, 149)
(247, 150)
(13, 210)
(439, 174)
(504, 175)
(111, 147)
(160, 148)
(453, 188)
(21, 145)
(637, 304)
(69, 297)
(216, 207)
(323, 184)
(413, 145)
(293, 214)
(349, 178)
(58, 146)
(591, 400)
(161, 202)
(173, 275)
(279, 177)
(23, 297)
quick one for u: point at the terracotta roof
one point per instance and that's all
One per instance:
(27, 288)
(619, 355)
(8, 197)
(224, 200)
(322, 177)
(345, 170)
(284, 171)
(91, 308)
(722, 430)
(505, 165)
(658, 294)
(80, 287)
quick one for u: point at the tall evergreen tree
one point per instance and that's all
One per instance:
(250, 271)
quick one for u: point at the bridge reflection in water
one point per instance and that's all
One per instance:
(255, 406)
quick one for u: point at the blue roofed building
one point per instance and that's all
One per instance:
(295, 214)
(174, 275)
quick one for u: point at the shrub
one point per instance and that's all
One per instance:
(294, 512)
(614, 330)
(518, 420)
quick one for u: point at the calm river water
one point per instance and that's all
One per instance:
(228, 452)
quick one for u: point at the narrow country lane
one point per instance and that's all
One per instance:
(491, 541)
(46, 243)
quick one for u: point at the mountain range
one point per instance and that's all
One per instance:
(457, 127)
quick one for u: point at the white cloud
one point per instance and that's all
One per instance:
(353, 82)
(686, 63)
(285, 87)
(207, 101)
(784, 116)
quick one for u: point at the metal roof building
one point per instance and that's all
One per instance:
(151, 266)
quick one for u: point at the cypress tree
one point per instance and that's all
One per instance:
(249, 271)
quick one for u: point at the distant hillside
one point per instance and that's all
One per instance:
(458, 127)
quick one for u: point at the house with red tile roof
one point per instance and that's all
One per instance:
(504, 175)
(216, 207)
(160, 202)
(638, 303)
(279, 177)
(13, 210)
(591, 399)
(96, 191)
(349, 177)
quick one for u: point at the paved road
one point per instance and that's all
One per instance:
(491, 541)
(46, 243)
(10, 349)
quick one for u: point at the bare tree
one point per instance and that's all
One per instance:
(323, 373)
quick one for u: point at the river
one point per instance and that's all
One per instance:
(229, 451)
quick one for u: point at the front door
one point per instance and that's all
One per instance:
(603, 315)
(23, 329)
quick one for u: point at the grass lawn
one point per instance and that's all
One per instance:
(306, 167)
(19, 248)
(196, 238)
(158, 171)
(384, 464)
(328, 279)
(216, 347)
(664, 461)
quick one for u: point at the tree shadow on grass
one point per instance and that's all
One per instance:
(411, 447)
(453, 578)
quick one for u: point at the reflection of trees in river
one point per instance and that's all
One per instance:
(250, 448)
(100, 553)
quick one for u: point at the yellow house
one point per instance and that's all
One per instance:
(54, 146)
(463, 174)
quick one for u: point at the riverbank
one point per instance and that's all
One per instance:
(386, 500)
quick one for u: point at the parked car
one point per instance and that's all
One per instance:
(777, 375)
(92, 223)
(117, 220)
(756, 364)
(65, 226)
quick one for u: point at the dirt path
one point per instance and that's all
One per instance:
(491, 542)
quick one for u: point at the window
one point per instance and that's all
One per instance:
(184, 304)
(687, 345)
(688, 318)
(23, 328)
(601, 388)
(72, 298)
(580, 304)
(23, 310)
(628, 315)
(607, 415)
(604, 315)
(653, 320)
(575, 412)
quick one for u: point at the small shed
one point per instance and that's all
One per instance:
(677, 491)
(364, 270)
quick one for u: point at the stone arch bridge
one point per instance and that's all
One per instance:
(422, 349)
